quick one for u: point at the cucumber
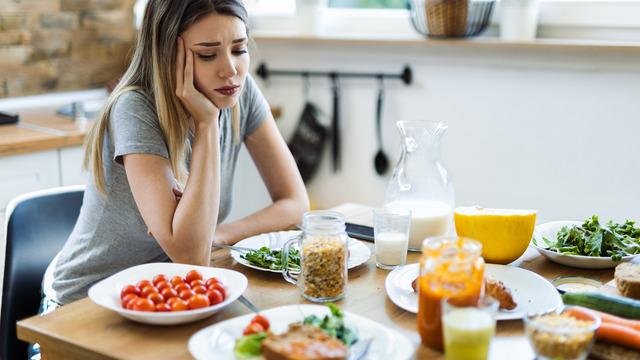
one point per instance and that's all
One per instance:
(612, 304)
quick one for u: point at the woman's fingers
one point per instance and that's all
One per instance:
(188, 71)
(177, 193)
(179, 67)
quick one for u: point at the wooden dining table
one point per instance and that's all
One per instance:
(85, 330)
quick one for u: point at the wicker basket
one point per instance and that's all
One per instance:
(451, 18)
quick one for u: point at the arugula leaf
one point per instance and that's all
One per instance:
(333, 325)
(272, 259)
(593, 239)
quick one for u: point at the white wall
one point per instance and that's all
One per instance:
(551, 130)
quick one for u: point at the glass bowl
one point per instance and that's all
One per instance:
(555, 335)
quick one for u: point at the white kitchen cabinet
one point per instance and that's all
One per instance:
(23, 173)
(249, 192)
(71, 172)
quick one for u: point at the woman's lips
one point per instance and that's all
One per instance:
(228, 90)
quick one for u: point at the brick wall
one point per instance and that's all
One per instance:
(59, 45)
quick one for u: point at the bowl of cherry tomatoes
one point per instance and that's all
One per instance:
(168, 293)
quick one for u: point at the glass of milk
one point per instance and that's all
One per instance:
(468, 328)
(391, 226)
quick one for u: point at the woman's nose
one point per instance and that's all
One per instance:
(227, 68)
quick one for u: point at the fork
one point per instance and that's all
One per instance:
(362, 349)
(234, 248)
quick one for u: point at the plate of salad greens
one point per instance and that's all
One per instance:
(267, 254)
(590, 244)
(240, 337)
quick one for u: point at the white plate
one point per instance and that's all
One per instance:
(106, 293)
(217, 341)
(359, 253)
(550, 230)
(531, 291)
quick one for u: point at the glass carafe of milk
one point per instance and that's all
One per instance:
(420, 181)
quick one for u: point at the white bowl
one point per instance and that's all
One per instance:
(550, 230)
(106, 293)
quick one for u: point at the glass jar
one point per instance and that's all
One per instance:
(450, 268)
(420, 181)
(323, 257)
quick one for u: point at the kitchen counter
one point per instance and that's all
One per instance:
(40, 130)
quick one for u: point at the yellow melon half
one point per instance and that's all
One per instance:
(504, 233)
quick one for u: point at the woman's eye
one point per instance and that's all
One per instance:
(207, 57)
(240, 51)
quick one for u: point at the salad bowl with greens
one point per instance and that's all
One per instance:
(589, 244)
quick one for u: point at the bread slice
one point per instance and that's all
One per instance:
(628, 279)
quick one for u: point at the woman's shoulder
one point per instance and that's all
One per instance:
(133, 103)
(251, 92)
(133, 99)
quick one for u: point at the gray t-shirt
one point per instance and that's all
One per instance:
(110, 234)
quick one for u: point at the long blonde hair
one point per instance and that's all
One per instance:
(152, 70)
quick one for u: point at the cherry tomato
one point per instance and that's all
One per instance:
(179, 305)
(142, 283)
(148, 290)
(156, 298)
(214, 297)
(176, 280)
(220, 288)
(158, 278)
(198, 301)
(170, 301)
(131, 303)
(211, 281)
(193, 275)
(199, 289)
(142, 304)
(127, 299)
(163, 307)
(263, 321)
(186, 294)
(253, 328)
(129, 289)
(168, 293)
(195, 283)
(163, 285)
(181, 287)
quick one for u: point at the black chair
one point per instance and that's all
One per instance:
(37, 226)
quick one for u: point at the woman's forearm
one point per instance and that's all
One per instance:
(282, 214)
(195, 217)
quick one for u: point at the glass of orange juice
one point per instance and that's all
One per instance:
(451, 268)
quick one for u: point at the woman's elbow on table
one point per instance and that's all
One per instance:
(186, 250)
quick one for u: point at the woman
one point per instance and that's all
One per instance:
(176, 121)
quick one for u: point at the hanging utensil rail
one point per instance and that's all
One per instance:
(264, 72)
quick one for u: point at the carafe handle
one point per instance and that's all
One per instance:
(285, 261)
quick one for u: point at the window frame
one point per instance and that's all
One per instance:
(585, 19)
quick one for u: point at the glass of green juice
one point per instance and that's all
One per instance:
(468, 328)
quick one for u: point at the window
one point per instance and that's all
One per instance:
(368, 4)
(612, 20)
(270, 7)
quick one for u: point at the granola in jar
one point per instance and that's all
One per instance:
(323, 257)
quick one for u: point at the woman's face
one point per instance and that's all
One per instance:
(221, 57)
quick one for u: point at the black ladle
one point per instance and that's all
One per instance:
(381, 161)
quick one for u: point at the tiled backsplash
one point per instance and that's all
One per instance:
(59, 45)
